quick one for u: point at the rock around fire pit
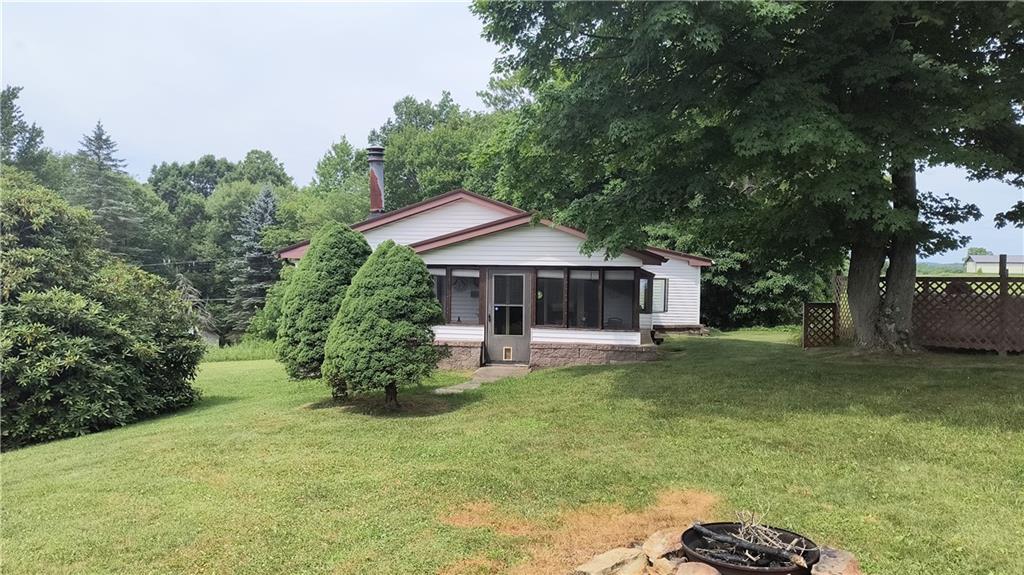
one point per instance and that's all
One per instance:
(674, 552)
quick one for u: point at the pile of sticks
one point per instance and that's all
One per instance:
(753, 544)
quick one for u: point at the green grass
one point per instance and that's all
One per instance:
(915, 464)
(246, 350)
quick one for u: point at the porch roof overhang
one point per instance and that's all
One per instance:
(696, 261)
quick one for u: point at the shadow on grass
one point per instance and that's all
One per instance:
(415, 402)
(208, 402)
(753, 380)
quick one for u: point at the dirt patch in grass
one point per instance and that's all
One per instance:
(482, 514)
(474, 566)
(582, 533)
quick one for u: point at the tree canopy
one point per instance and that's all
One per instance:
(821, 112)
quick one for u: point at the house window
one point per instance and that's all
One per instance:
(440, 277)
(646, 294)
(508, 304)
(660, 296)
(465, 304)
(618, 299)
(584, 298)
(550, 307)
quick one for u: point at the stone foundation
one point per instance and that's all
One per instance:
(461, 354)
(560, 354)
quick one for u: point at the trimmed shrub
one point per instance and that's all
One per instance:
(87, 342)
(314, 295)
(265, 323)
(381, 337)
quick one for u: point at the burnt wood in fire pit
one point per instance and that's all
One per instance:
(716, 544)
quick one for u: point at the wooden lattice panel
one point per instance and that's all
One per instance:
(819, 324)
(844, 319)
(956, 312)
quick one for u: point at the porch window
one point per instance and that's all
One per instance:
(584, 299)
(550, 307)
(646, 294)
(440, 277)
(618, 299)
(465, 304)
(660, 296)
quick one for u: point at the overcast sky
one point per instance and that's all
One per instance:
(172, 82)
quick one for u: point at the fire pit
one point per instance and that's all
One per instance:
(749, 547)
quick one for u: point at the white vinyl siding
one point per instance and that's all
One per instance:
(540, 334)
(683, 293)
(458, 333)
(451, 217)
(646, 321)
(530, 245)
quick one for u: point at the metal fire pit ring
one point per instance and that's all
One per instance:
(692, 540)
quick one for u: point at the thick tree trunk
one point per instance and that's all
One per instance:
(391, 397)
(866, 259)
(896, 312)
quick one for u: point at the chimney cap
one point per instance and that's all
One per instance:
(375, 150)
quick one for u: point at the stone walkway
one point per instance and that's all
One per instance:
(485, 374)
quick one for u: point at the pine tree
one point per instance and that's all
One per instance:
(103, 187)
(382, 337)
(256, 268)
(314, 295)
(21, 143)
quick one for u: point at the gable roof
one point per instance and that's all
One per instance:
(515, 217)
(516, 221)
(455, 195)
(995, 259)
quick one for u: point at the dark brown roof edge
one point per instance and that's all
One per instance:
(701, 261)
(292, 247)
(428, 204)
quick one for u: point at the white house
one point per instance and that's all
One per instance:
(516, 290)
(990, 264)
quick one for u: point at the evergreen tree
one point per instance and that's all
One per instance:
(314, 295)
(382, 337)
(256, 268)
(21, 143)
(101, 186)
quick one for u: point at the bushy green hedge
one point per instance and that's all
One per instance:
(313, 296)
(382, 336)
(265, 322)
(87, 342)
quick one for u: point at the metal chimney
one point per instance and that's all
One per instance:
(375, 155)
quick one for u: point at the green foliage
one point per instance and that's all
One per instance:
(138, 225)
(429, 148)
(265, 323)
(313, 297)
(173, 182)
(249, 349)
(255, 267)
(339, 193)
(381, 337)
(21, 143)
(260, 167)
(88, 342)
(819, 112)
